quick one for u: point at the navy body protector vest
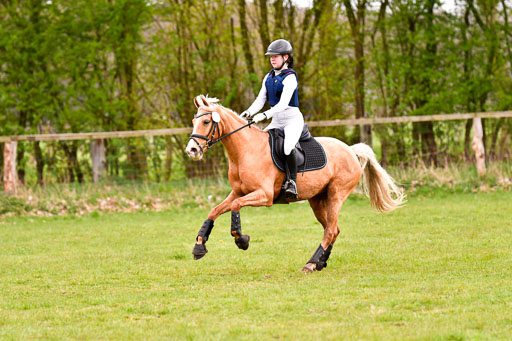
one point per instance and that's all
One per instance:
(274, 85)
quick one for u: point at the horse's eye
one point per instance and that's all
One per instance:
(206, 122)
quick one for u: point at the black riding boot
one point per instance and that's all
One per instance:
(291, 171)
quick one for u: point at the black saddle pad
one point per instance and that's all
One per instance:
(308, 149)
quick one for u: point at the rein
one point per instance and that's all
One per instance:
(210, 141)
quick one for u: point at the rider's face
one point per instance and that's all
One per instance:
(277, 60)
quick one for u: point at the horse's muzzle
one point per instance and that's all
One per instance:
(193, 151)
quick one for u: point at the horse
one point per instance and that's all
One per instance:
(256, 181)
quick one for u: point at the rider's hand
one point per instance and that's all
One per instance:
(245, 115)
(259, 117)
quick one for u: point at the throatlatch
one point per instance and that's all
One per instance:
(204, 232)
(320, 257)
(242, 241)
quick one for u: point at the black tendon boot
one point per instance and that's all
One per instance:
(291, 185)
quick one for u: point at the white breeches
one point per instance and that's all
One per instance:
(292, 121)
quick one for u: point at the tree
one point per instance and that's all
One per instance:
(356, 18)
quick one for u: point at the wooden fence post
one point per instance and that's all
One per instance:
(478, 145)
(10, 178)
(99, 163)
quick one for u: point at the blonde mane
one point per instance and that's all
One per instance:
(209, 102)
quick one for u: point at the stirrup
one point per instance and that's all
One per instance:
(291, 190)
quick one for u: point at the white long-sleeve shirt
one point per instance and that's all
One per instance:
(283, 116)
(289, 86)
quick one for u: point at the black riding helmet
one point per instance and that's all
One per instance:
(281, 47)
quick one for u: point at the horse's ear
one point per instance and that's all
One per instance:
(197, 101)
(205, 101)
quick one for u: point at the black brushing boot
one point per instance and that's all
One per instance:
(291, 171)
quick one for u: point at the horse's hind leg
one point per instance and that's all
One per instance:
(241, 240)
(326, 209)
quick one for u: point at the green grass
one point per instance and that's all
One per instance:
(438, 269)
(83, 199)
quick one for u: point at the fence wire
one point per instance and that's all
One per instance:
(163, 158)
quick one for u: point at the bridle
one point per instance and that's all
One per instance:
(214, 128)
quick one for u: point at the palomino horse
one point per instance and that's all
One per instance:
(256, 181)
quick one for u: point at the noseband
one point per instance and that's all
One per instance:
(214, 128)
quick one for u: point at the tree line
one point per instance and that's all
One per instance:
(107, 65)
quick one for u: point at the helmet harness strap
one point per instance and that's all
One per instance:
(284, 62)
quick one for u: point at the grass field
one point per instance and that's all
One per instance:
(438, 269)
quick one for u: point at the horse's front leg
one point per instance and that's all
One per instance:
(256, 198)
(204, 232)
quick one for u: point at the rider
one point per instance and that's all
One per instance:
(281, 88)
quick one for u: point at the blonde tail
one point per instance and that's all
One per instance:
(379, 186)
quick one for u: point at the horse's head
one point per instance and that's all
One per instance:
(206, 126)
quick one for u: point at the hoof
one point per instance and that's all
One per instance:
(199, 251)
(309, 268)
(243, 242)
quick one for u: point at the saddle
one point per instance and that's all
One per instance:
(310, 154)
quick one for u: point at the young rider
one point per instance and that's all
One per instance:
(281, 88)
